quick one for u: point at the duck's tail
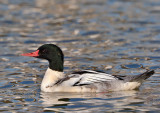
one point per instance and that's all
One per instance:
(141, 77)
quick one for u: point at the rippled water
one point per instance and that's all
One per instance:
(118, 37)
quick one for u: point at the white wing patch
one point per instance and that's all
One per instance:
(87, 77)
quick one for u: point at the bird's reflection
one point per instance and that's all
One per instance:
(89, 101)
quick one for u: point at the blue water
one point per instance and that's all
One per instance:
(116, 36)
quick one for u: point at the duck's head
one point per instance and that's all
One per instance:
(50, 52)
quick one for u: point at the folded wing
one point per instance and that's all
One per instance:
(88, 77)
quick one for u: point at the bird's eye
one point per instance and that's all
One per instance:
(45, 51)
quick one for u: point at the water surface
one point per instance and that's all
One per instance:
(119, 37)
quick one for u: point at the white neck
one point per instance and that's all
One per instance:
(50, 78)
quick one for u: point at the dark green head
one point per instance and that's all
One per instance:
(52, 53)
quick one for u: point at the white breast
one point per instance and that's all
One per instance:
(50, 78)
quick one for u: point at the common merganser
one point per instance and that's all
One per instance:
(81, 81)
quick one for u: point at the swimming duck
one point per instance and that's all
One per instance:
(81, 81)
